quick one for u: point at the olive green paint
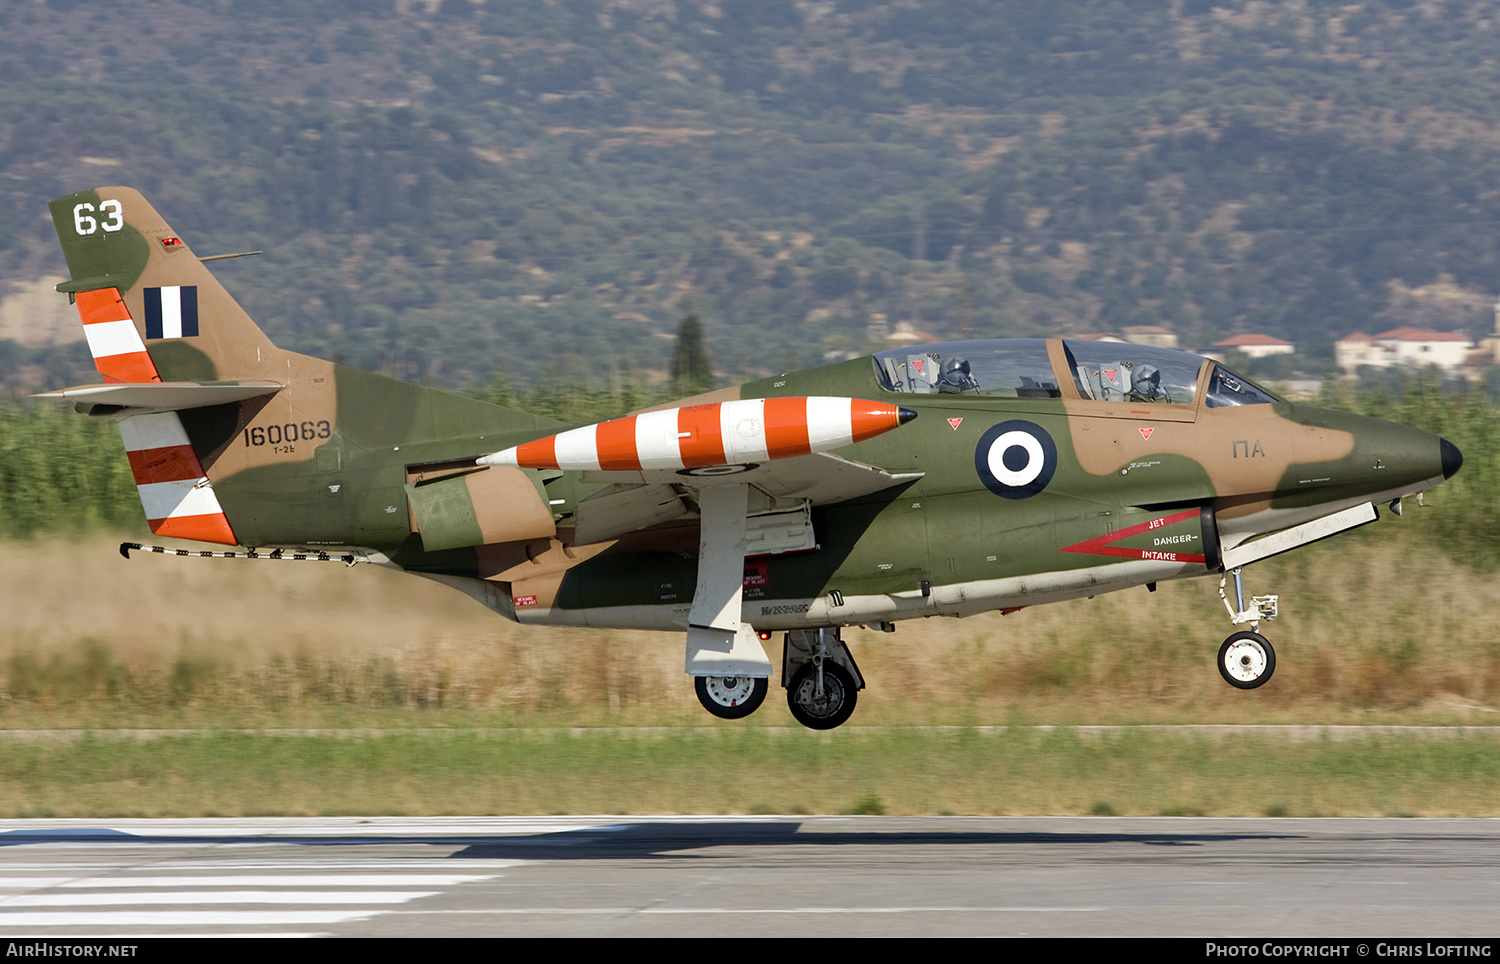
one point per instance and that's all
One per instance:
(178, 361)
(445, 512)
(100, 259)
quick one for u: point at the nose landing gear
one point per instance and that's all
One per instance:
(1246, 659)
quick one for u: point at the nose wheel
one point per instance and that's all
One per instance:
(731, 697)
(1246, 660)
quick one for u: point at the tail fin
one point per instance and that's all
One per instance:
(231, 439)
(116, 242)
(132, 276)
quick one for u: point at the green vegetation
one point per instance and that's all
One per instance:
(692, 372)
(900, 771)
(447, 191)
(61, 472)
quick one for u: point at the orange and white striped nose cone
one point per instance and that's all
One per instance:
(697, 436)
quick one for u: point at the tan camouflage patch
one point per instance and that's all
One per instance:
(1245, 450)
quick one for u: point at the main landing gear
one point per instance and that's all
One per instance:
(1246, 659)
(822, 697)
(731, 697)
(822, 683)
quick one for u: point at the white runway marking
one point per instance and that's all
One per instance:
(695, 911)
(271, 880)
(285, 903)
(180, 898)
(191, 918)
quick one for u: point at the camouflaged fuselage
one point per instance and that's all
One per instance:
(1058, 488)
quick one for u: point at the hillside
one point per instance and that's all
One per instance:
(445, 190)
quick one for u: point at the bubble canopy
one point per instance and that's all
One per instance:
(1103, 371)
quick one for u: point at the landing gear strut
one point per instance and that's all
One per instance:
(731, 697)
(1246, 659)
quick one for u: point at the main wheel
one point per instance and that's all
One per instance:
(731, 697)
(1246, 660)
(833, 707)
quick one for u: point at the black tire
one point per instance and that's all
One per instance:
(1246, 660)
(839, 696)
(731, 697)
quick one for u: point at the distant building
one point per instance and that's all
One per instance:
(1490, 344)
(1255, 346)
(1358, 349)
(1153, 335)
(905, 334)
(1447, 350)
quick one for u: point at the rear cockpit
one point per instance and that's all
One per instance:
(1010, 368)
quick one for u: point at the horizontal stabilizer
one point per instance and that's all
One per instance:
(141, 397)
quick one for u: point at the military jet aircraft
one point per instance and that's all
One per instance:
(941, 480)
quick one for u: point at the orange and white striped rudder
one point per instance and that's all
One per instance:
(175, 492)
(116, 345)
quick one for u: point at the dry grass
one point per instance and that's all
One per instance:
(1369, 634)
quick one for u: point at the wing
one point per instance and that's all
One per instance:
(788, 489)
(660, 462)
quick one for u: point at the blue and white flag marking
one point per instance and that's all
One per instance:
(172, 312)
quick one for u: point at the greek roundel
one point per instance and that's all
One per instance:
(1016, 459)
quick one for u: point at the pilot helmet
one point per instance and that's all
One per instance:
(956, 370)
(1147, 377)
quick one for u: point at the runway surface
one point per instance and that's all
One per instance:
(744, 876)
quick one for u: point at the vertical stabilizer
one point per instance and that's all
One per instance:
(233, 440)
(192, 329)
(136, 284)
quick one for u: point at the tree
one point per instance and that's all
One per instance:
(692, 371)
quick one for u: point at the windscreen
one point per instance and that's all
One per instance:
(1226, 389)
